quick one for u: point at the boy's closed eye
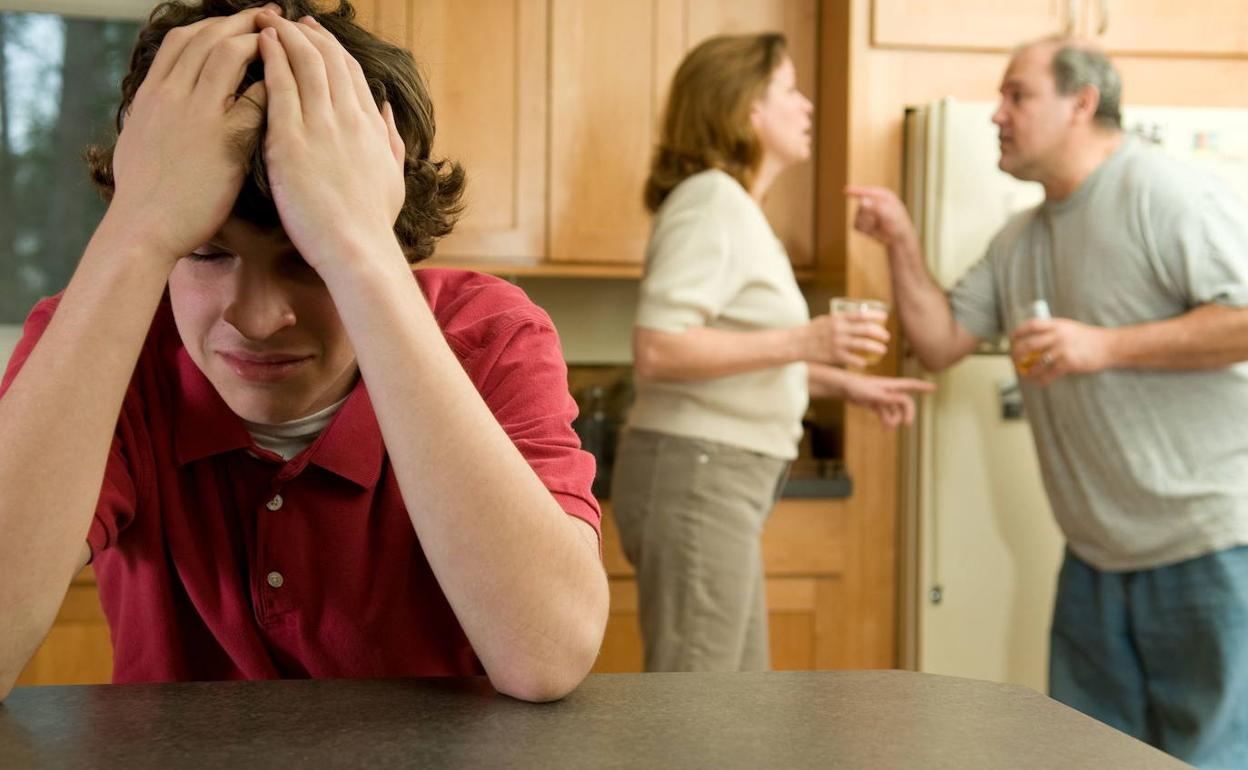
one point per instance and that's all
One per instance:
(208, 254)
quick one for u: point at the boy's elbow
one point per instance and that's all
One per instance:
(557, 672)
(7, 681)
(535, 689)
(542, 683)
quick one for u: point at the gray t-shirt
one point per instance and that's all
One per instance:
(714, 261)
(1143, 467)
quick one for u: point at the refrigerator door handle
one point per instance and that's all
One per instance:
(1011, 397)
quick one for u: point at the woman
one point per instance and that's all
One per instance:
(726, 358)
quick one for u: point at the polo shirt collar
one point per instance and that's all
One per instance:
(351, 447)
(205, 425)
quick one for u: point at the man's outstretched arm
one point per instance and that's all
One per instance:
(937, 338)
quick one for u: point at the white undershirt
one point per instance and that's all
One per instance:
(288, 439)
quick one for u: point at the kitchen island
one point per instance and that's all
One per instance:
(857, 719)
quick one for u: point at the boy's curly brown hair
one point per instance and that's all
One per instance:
(434, 188)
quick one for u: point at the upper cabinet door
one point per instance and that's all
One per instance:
(1164, 27)
(790, 205)
(485, 62)
(610, 63)
(988, 25)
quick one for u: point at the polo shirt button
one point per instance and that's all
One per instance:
(275, 579)
(704, 458)
(275, 504)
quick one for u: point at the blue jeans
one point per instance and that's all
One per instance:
(1160, 654)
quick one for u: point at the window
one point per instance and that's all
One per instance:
(60, 81)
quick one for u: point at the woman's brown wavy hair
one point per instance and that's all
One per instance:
(707, 120)
(434, 188)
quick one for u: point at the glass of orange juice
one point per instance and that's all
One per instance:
(1037, 309)
(843, 305)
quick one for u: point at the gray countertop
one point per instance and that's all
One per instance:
(870, 719)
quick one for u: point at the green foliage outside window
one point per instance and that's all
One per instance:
(59, 87)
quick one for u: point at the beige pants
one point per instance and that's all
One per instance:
(690, 514)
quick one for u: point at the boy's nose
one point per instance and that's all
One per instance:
(259, 311)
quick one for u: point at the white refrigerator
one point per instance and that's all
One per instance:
(980, 550)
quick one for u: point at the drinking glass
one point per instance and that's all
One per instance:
(1037, 309)
(842, 305)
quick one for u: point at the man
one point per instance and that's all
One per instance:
(1134, 390)
(285, 455)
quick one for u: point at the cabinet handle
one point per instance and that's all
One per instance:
(1070, 18)
(1103, 27)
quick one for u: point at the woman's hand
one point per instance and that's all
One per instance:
(890, 397)
(844, 339)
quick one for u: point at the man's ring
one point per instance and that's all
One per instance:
(1047, 359)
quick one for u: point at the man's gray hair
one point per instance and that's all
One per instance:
(1076, 66)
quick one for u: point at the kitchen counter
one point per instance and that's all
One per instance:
(834, 486)
(877, 719)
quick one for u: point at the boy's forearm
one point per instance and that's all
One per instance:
(525, 581)
(60, 414)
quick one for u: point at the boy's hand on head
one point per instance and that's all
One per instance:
(178, 163)
(335, 161)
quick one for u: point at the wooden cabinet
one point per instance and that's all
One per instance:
(610, 65)
(553, 108)
(968, 24)
(486, 63)
(810, 564)
(1201, 28)
(1123, 27)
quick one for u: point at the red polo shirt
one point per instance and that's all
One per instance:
(218, 560)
